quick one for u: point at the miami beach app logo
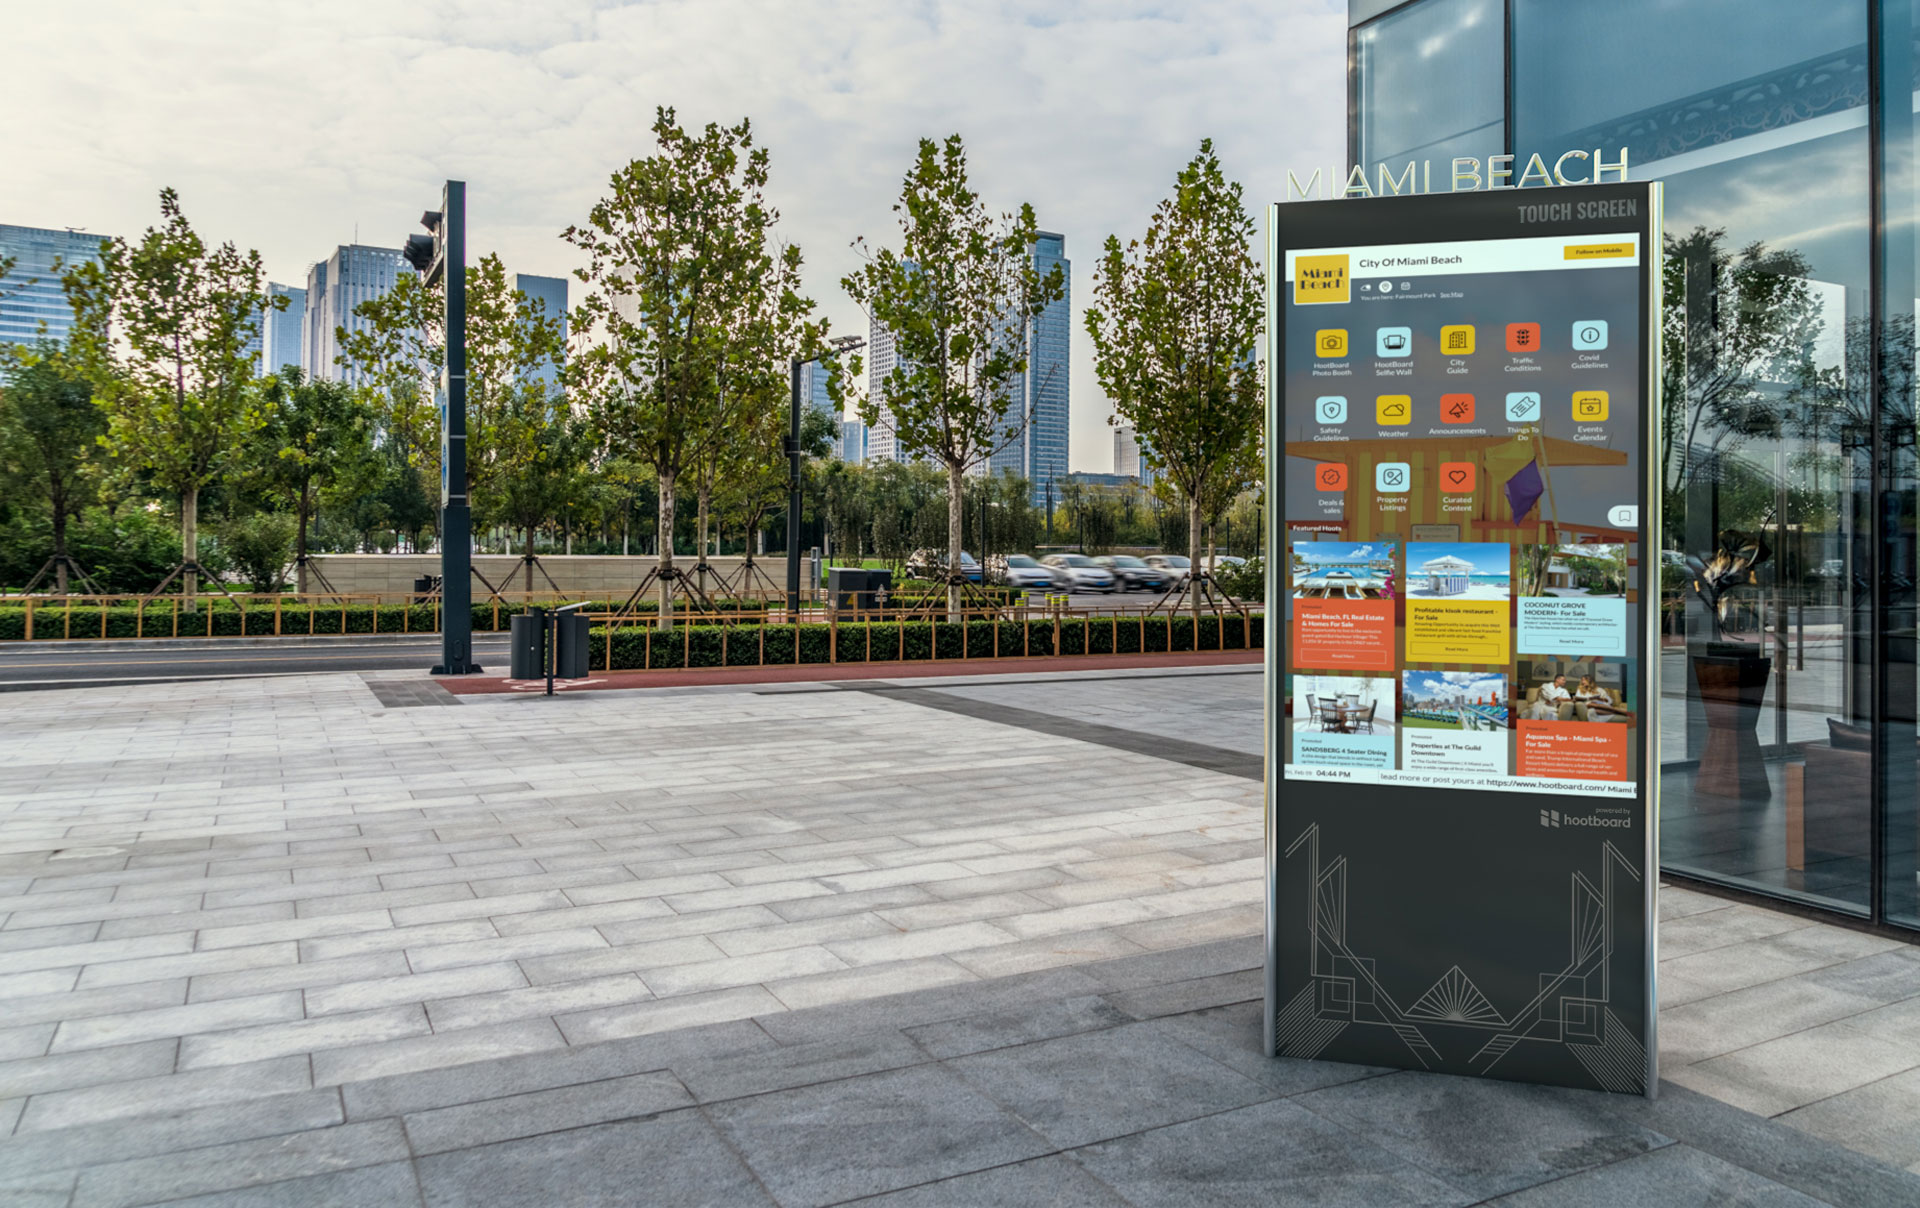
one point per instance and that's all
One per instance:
(1319, 279)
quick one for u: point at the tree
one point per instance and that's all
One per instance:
(312, 434)
(959, 299)
(1176, 320)
(160, 331)
(679, 263)
(49, 430)
(397, 355)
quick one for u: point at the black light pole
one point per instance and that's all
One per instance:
(840, 344)
(442, 255)
(793, 498)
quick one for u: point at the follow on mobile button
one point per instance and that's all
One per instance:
(1624, 515)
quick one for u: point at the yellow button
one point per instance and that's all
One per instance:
(1598, 251)
(1331, 342)
(1392, 409)
(1456, 341)
(1589, 406)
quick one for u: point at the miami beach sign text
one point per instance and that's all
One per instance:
(1469, 175)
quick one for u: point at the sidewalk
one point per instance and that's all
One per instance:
(704, 939)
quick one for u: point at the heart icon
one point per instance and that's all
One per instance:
(1457, 477)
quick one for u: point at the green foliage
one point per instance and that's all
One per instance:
(49, 432)
(313, 435)
(636, 648)
(1246, 581)
(691, 312)
(128, 551)
(259, 547)
(161, 329)
(958, 297)
(1176, 319)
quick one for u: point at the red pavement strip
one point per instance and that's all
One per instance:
(819, 672)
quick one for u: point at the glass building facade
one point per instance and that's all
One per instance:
(30, 295)
(1040, 454)
(335, 286)
(1784, 132)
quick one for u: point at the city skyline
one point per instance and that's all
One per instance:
(313, 128)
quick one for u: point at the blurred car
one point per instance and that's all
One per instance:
(1083, 574)
(1020, 570)
(1175, 565)
(932, 564)
(1220, 562)
(1133, 574)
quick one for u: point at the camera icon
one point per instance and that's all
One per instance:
(1331, 342)
(1330, 409)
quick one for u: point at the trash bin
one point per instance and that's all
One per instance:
(423, 588)
(570, 646)
(527, 645)
(853, 590)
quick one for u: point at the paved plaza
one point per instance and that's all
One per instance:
(350, 939)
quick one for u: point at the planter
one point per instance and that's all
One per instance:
(1732, 684)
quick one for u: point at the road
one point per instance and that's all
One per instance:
(86, 664)
(76, 665)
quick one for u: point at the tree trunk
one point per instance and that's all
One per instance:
(60, 541)
(666, 550)
(1195, 568)
(956, 515)
(300, 539)
(190, 545)
(626, 545)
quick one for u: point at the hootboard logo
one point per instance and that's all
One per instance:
(1318, 279)
(1552, 818)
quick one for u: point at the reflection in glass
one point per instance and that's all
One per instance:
(1423, 86)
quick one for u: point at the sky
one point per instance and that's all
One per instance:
(296, 127)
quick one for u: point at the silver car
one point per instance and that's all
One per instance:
(1175, 565)
(1020, 570)
(1082, 572)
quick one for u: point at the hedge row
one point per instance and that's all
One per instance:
(220, 617)
(636, 647)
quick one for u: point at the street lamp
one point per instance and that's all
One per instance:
(441, 254)
(840, 345)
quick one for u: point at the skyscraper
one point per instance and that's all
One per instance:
(1040, 452)
(1126, 451)
(31, 295)
(280, 339)
(335, 286)
(882, 444)
(552, 293)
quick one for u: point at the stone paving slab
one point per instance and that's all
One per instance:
(1041, 1089)
(219, 898)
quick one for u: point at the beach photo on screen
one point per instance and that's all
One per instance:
(1342, 570)
(1459, 570)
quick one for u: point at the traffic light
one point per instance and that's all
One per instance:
(427, 253)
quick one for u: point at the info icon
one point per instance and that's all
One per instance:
(1523, 337)
(1393, 477)
(1456, 408)
(1590, 335)
(1330, 476)
(1330, 409)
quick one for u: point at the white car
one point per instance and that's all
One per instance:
(1083, 572)
(1020, 570)
(1176, 565)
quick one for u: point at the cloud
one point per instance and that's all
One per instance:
(294, 127)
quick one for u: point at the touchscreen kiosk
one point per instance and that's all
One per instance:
(1463, 586)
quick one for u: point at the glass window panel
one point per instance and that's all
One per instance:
(1430, 83)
